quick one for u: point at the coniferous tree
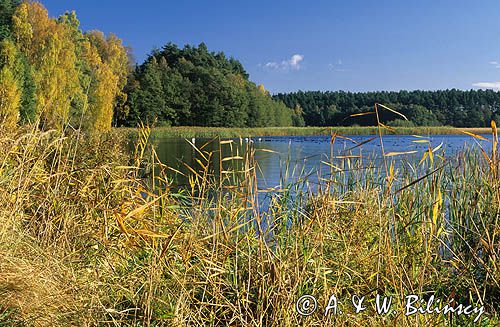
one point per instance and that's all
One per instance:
(7, 8)
(198, 87)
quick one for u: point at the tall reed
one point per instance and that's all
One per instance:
(91, 237)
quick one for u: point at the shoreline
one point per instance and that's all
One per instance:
(236, 132)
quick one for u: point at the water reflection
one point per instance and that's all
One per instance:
(281, 159)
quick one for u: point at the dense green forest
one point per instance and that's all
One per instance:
(53, 73)
(474, 108)
(192, 86)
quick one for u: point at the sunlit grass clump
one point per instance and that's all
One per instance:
(91, 235)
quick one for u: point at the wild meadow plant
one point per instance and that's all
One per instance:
(92, 235)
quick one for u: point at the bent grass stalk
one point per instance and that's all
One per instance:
(119, 244)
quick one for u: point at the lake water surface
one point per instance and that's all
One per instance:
(306, 153)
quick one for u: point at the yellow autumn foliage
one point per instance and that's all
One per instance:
(102, 91)
(10, 98)
(10, 93)
(75, 73)
(51, 51)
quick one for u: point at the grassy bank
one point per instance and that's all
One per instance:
(210, 132)
(89, 237)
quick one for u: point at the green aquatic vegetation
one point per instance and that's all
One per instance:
(211, 132)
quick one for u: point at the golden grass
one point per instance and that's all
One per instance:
(91, 236)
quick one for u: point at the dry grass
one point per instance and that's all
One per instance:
(90, 237)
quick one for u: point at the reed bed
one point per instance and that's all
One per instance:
(212, 132)
(93, 236)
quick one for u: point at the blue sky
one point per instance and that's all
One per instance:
(350, 45)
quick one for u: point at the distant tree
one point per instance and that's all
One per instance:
(148, 99)
(444, 107)
(263, 90)
(101, 90)
(28, 87)
(54, 73)
(10, 98)
(109, 68)
(401, 123)
(175, 93)
(297, 117)
(258, 109)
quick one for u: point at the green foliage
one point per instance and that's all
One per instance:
(401, 123)
(424, 108)
(192, 86)
(28, 98)
(7, 8)
(149, 100)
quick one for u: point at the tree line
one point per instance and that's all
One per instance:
(473, 108)
(57, 75)
(53, 73)
(193, 86)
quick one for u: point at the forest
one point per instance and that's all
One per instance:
(192, 86)
(57, 75)
(54, 74)
(473, 108)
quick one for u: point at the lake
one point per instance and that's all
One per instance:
(309, 154)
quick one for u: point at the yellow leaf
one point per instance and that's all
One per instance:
(392, 110)
(232, 158)
(145, 232)
(435, 209)
(119, 220)
(392, 154)
(426, 153)
(476, 136)
(438, 147)
(362, 114)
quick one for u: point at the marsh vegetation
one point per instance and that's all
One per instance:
(94, 238)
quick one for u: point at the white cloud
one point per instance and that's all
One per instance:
(337, 66)
(292, 63)
(488, 85)
(495, 63)
(272, 65)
